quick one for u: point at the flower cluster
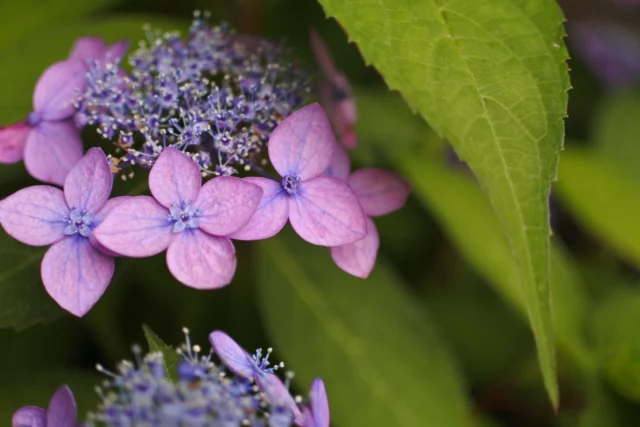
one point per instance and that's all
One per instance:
(210, 107)
(241, 391)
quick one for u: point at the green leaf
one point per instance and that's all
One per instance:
(604, 198)
(618, 341)
(23, 300)
(491, 78)
(35, 53)
(604, 408)
(381, 360)
(466, 216)
(171, 358)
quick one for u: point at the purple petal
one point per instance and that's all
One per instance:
(35, 215)
(174, 178)
(200, 260)
(308, 419)
(99, 217)
(322, 55)
(88, 184)
(116, 51)
(75, 274)
(12, 142)
(326, 212)
(62, 411)
(338, 102)
(279, 394)
(319, 403)
(29, 416)
(340, 166)
(231, 354)
(58, 87)
(379, 192)
(138, 227)
(225, 204)
(52, 150)
(358, 258)
(87, 48)
(271, 214)
(302, 144)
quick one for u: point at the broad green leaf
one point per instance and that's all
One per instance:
(171, 358)
(618, 341)
(23, 300)
(19, 19)
(467, 218)
(35, 53)
(617, 127)
(604, 198)
(491, 78)
(382, 362)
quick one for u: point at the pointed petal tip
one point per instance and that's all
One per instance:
(88, 184)
(174, 178)
(12, 142)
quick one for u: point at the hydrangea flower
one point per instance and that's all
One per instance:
(62, 412)
(379, 193)
(335, 94)
(47, 140)
(322, 209)
(187, 219)
(205, 394)
(75, 269)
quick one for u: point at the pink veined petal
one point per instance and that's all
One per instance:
(88, 185)
(271, 214)
(99, 217)
(35, 215)
(379, 191)
(116, 51)
(302, 144)
(308, 419)
(138, 227)
(232, 355)
(62, 411)
(86, 48)
(322, 55)
(57, 88)
(225, 204)
(201, 261)
(174, 178)
(319, 403)
(52, 150)
(29, 416)
(341, 110)
(12, 141)
(340, 166)
(358, 258)
(325, 211)
(75, 274)
(278, 394)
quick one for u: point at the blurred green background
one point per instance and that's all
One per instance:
(437, 335)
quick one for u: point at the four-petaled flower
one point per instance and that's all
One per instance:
(62, 412)
(379, 192)
(76, 269)
(188, 219)
(47, 140)
(335, 94)
(317, 414)
(322, 209)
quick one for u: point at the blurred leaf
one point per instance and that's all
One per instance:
(23, 299)
(604, 198)
(381, 361)
(36, 389)
(22, 18)
(618, 341)
(171, 358)
(617, 128)
(605, 409)
(467, 218)
(35, 53)
(490, 77)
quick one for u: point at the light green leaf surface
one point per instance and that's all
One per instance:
(604, 198)
(490, 77)
(171, 358)
(382, 363)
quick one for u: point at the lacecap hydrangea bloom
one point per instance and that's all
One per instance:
(241, 390)
(232, 146)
